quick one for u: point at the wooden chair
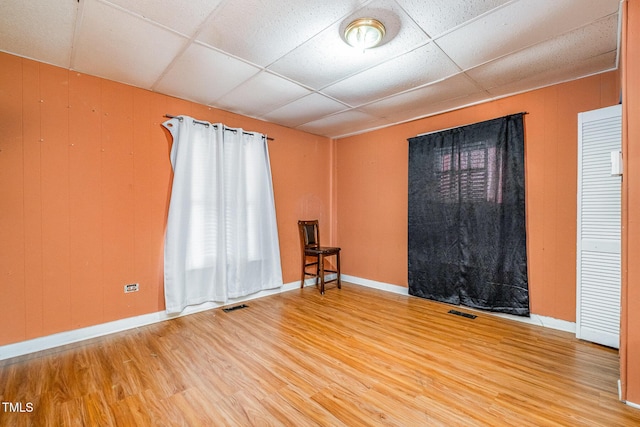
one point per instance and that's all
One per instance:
(313, 254)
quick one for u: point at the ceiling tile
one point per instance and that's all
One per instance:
(354, 128)
(41, 30)
(203, 75)
(437, 107)
(261, 94)
(480, 41)
(424, 65)
(122, 47)
(261, 32)
(304, 110)
(438, 16)
(179, 17)
(340, 123)
(451, 88)
(580, 67)
(552, 59)
(326, 58)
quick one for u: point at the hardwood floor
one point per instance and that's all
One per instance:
(352, 357)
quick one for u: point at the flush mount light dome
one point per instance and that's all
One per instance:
(364, 33)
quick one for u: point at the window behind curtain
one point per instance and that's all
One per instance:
(474, 174)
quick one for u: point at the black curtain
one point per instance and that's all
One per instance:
(467, 230)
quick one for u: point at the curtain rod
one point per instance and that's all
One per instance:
(469, 124)
(207, 124)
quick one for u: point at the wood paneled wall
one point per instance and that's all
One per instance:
(85, 182)
(84, 188)
(372, 188)
(630, 330)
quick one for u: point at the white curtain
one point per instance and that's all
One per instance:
(222, 238)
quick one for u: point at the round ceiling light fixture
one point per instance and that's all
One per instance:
(364, 33)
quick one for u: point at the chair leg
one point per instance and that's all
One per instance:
(321, 263)
(338, 269)
(304, 260)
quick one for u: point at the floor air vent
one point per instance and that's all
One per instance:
(235, 307)
(459, 313)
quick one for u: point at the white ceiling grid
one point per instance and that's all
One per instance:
(284, 61)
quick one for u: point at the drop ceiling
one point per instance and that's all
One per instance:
(284, 61)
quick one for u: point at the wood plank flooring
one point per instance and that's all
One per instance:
(353, 357)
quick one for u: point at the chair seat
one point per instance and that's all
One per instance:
(325, 250)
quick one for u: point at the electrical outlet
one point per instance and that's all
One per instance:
(131, 287)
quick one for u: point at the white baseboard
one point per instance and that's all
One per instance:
(626, 402)
(77, 335)
(633, 405)
(70, 337)
(376, 285)
(534, 319)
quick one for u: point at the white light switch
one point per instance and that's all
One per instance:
(616, 163)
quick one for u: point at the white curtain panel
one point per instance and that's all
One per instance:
(222, 239)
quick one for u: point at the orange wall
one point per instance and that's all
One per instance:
(85, 181)
(372, 189)
(84, 188)
(630, 332)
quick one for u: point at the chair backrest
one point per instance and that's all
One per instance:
(309, 234)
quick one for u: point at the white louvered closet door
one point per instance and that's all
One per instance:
(599, 227)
